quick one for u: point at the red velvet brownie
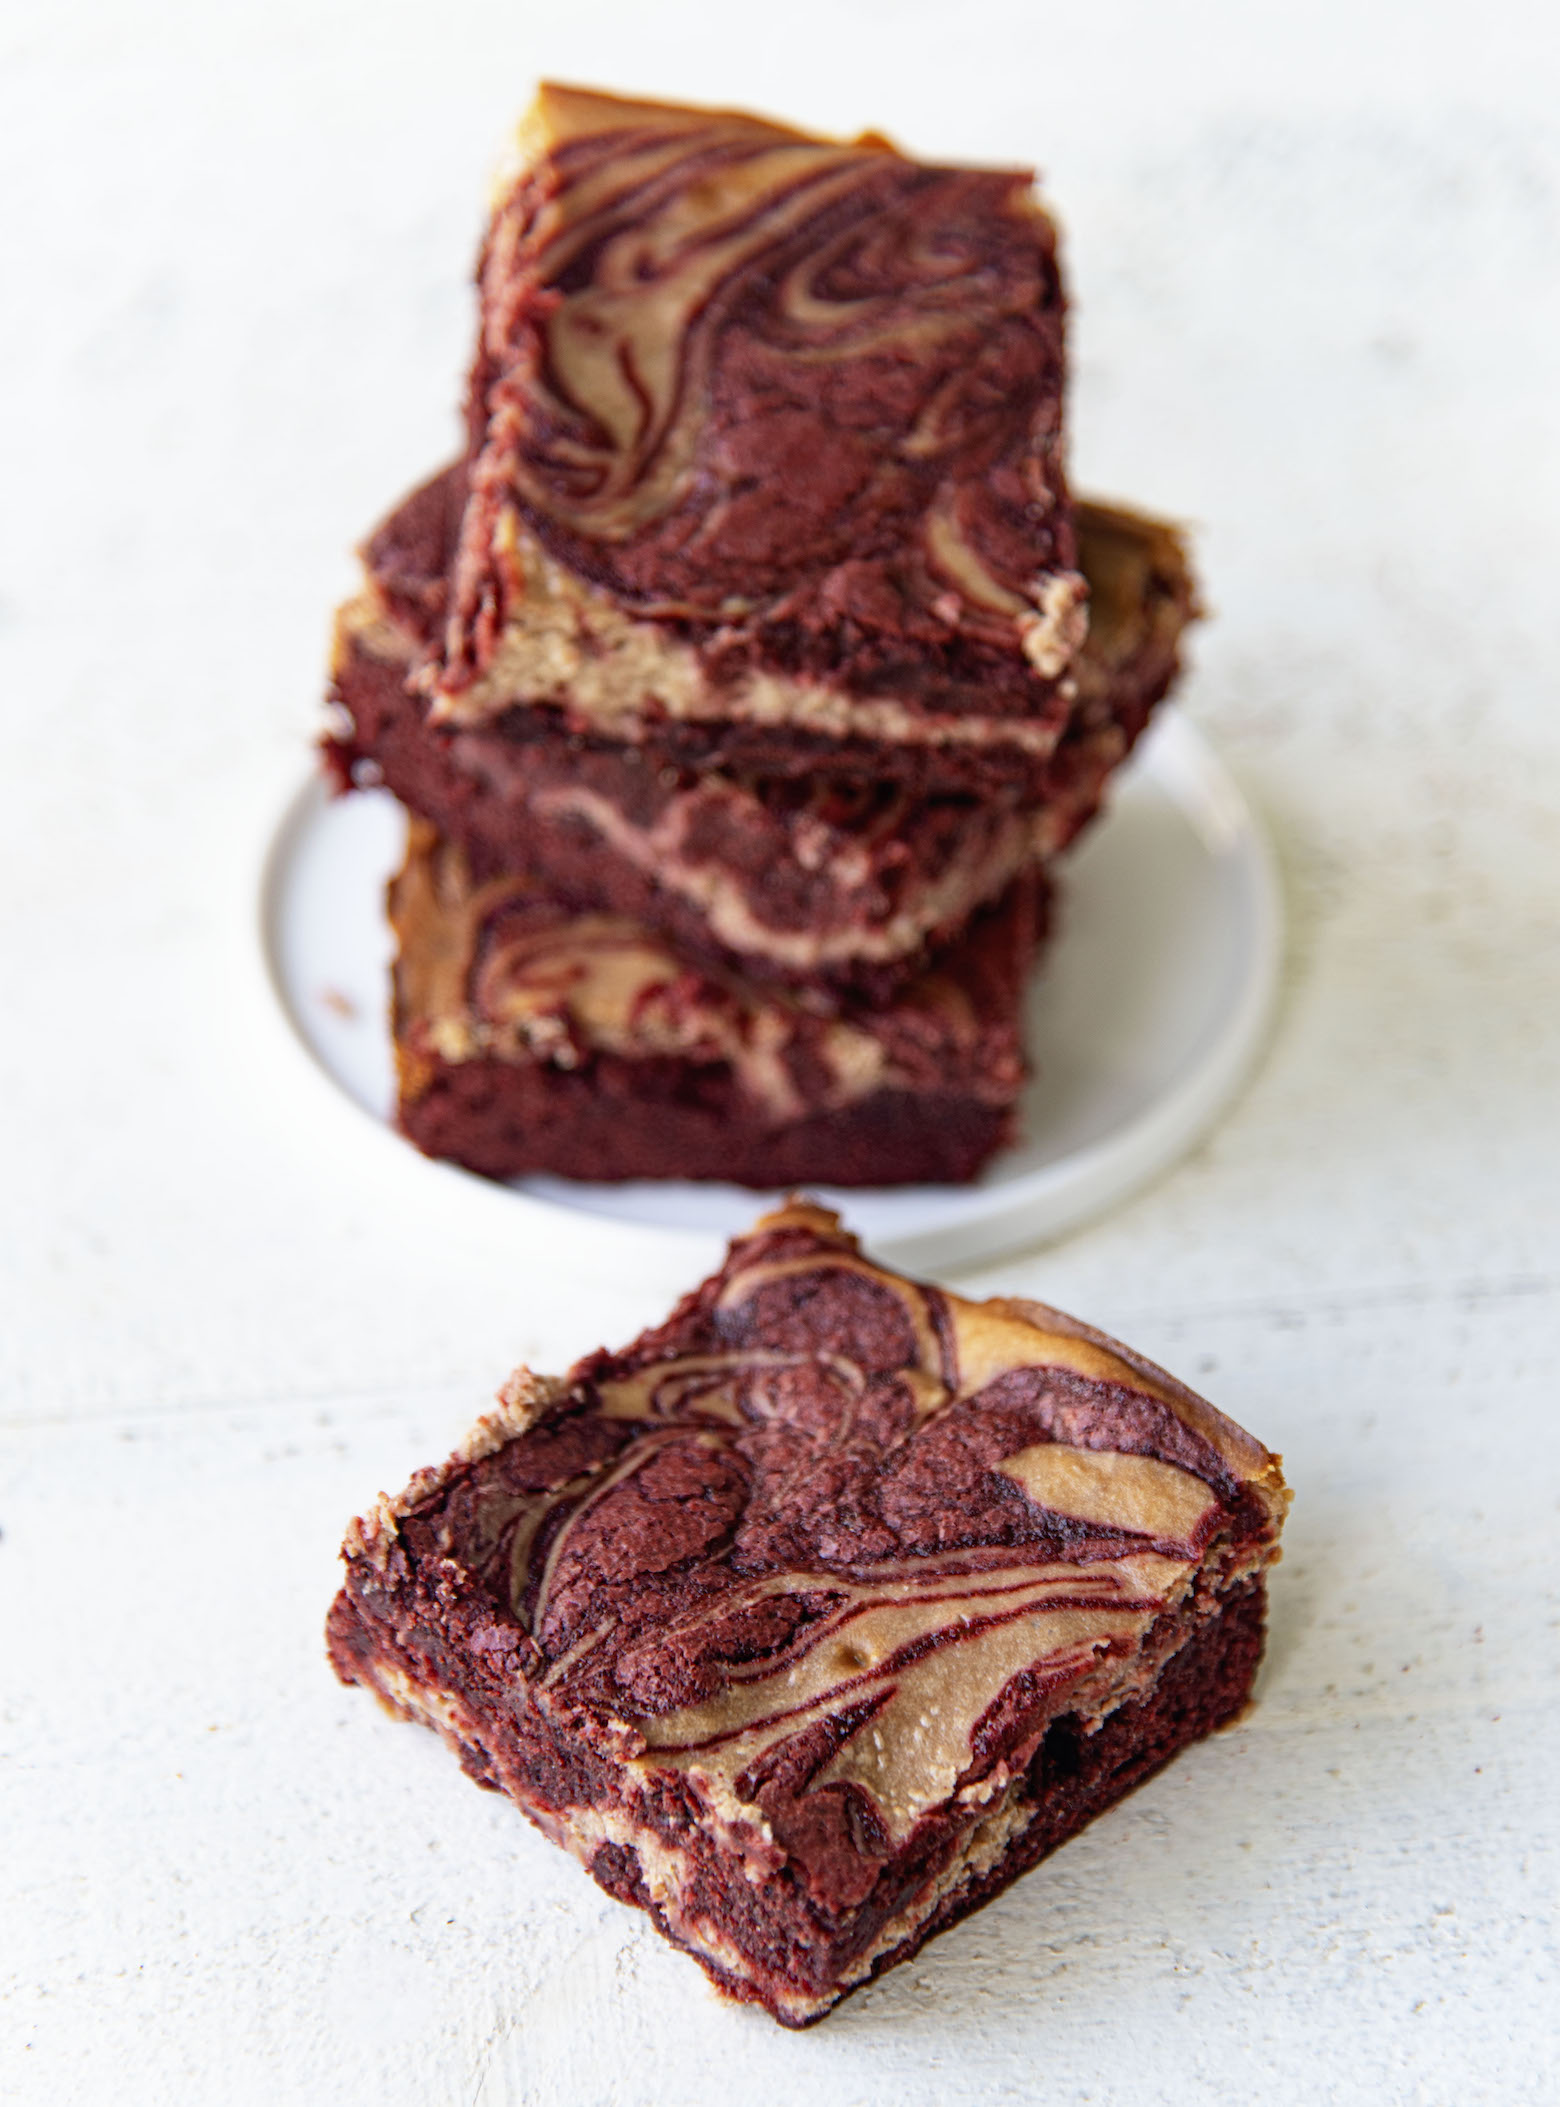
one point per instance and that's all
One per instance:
(532, 1038)
(837, 884)
(767, 455)
(816, 1615)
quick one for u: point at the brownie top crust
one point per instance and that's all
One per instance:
(832, 1547)
(758, 416)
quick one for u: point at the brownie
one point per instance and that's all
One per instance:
(839, 884)
(529, 1037)
(813, 1617)
(767, 454)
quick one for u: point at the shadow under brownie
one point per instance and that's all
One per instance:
(815, 1616)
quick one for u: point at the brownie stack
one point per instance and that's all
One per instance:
(748, 671)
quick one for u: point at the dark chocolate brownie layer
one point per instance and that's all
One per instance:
(531, 1039)
(832, 883)
(767, 441)
(810, 1619)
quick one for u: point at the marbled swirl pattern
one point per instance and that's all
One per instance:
(494, 970)
(733, 375)
(835, 1546)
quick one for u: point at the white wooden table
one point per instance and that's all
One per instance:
(1317, 259)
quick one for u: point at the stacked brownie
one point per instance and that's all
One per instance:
(749, 669)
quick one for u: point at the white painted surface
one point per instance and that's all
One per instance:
(1316, 255)
(1156, 991)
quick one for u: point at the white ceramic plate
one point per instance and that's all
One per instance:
(1152, 1002)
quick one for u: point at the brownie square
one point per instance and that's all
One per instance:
(813, 1617)
(767, 453)
(532, 1038)
(835, 884)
